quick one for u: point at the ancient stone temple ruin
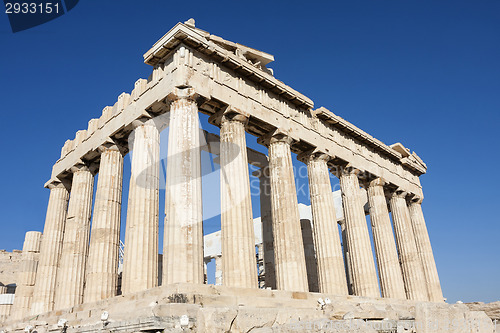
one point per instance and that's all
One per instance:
(68, 280)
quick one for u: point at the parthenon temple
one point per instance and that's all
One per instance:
(295, 264)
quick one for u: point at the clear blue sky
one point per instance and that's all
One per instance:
(426, 73)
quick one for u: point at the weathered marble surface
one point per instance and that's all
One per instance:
(208, 308)
(141, 234)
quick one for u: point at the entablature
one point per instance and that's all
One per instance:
(184, 57)
(210, 45)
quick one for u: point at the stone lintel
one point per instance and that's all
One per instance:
(332, 119)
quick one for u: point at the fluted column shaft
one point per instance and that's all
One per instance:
(71, 273)
(50, 250)
(102, 266)
(291, 273)
(411, 265)
(331, 269)
(239, 268)
(391, 277)
(424, 249)
(183, 240)
(363, 272)
(27, 275)
(140, 261)
(267, 227)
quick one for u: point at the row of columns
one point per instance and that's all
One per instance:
(67, 278)
(73, 270)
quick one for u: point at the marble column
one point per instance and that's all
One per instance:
(71, 272)
(218, 271)
(102, 267)
(140, 261)
(424, 249)
(183, 239)
(290, 264)
(239, 267)
(391, 277)
(362, 265)
(409, 258)
(267, 226)
(331, 269)
(50, 250)
(25, 279)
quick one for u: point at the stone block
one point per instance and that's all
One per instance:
(215, 320)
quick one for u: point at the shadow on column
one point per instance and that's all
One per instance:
(310, 254)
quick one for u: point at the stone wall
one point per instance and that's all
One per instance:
(9, 266)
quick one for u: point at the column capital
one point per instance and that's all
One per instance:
(51, 184)
(344, 169)
(186, 93)
(277, 135)
(229, 113)
(61, 180)
(415, 199)
(145, 119)
(112, 144)
(399, 193)
(314, 155)
(376, 182)
(80, 165)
